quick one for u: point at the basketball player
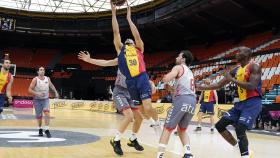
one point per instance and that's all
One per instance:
(183, 104)
(247, 77)
(6, 81)
(39, 88)
(132, 66)
(123, 103)
(206, 101)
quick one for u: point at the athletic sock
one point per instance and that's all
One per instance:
(161, 149)
(46, 128)
(187, 148)
(133, 137)
(117, 136)
(160, 154)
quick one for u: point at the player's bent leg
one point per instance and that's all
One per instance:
(135, 128)
(145, 93)
(142, 111)
(138, 119)
(242, 139)
(221, 128)
(128, 117)
(150, 111)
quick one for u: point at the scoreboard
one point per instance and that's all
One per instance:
(7, 24)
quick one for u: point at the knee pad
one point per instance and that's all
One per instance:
(240, 130)
(242, 138)
(221, 125)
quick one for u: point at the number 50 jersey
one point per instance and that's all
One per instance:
(131, 61)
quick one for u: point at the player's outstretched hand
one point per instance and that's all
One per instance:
(84, 55)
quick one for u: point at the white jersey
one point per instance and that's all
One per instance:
(184, 84)
(42, 86)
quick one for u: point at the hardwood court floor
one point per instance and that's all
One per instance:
(103, 125)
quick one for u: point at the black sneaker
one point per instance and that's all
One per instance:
(161, 155)
(212, 130)
(155, 125)
(41, 132)
(116, 146)
(135, 144)
(188, 156)
(47, 132)
(198, 129)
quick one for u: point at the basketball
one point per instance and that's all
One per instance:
(118, 2)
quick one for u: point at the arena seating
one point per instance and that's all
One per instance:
(20, 56)
(213, 70)
(29, 58)
(269, 63)
(42, 57)
(259, 41)
(20, 86)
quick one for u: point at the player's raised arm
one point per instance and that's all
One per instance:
(116, 30)
(138, 41)
(172, 74)
(85, 56)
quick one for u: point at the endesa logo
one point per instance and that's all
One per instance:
(23, 102)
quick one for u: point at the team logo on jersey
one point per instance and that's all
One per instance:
(30, 138)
